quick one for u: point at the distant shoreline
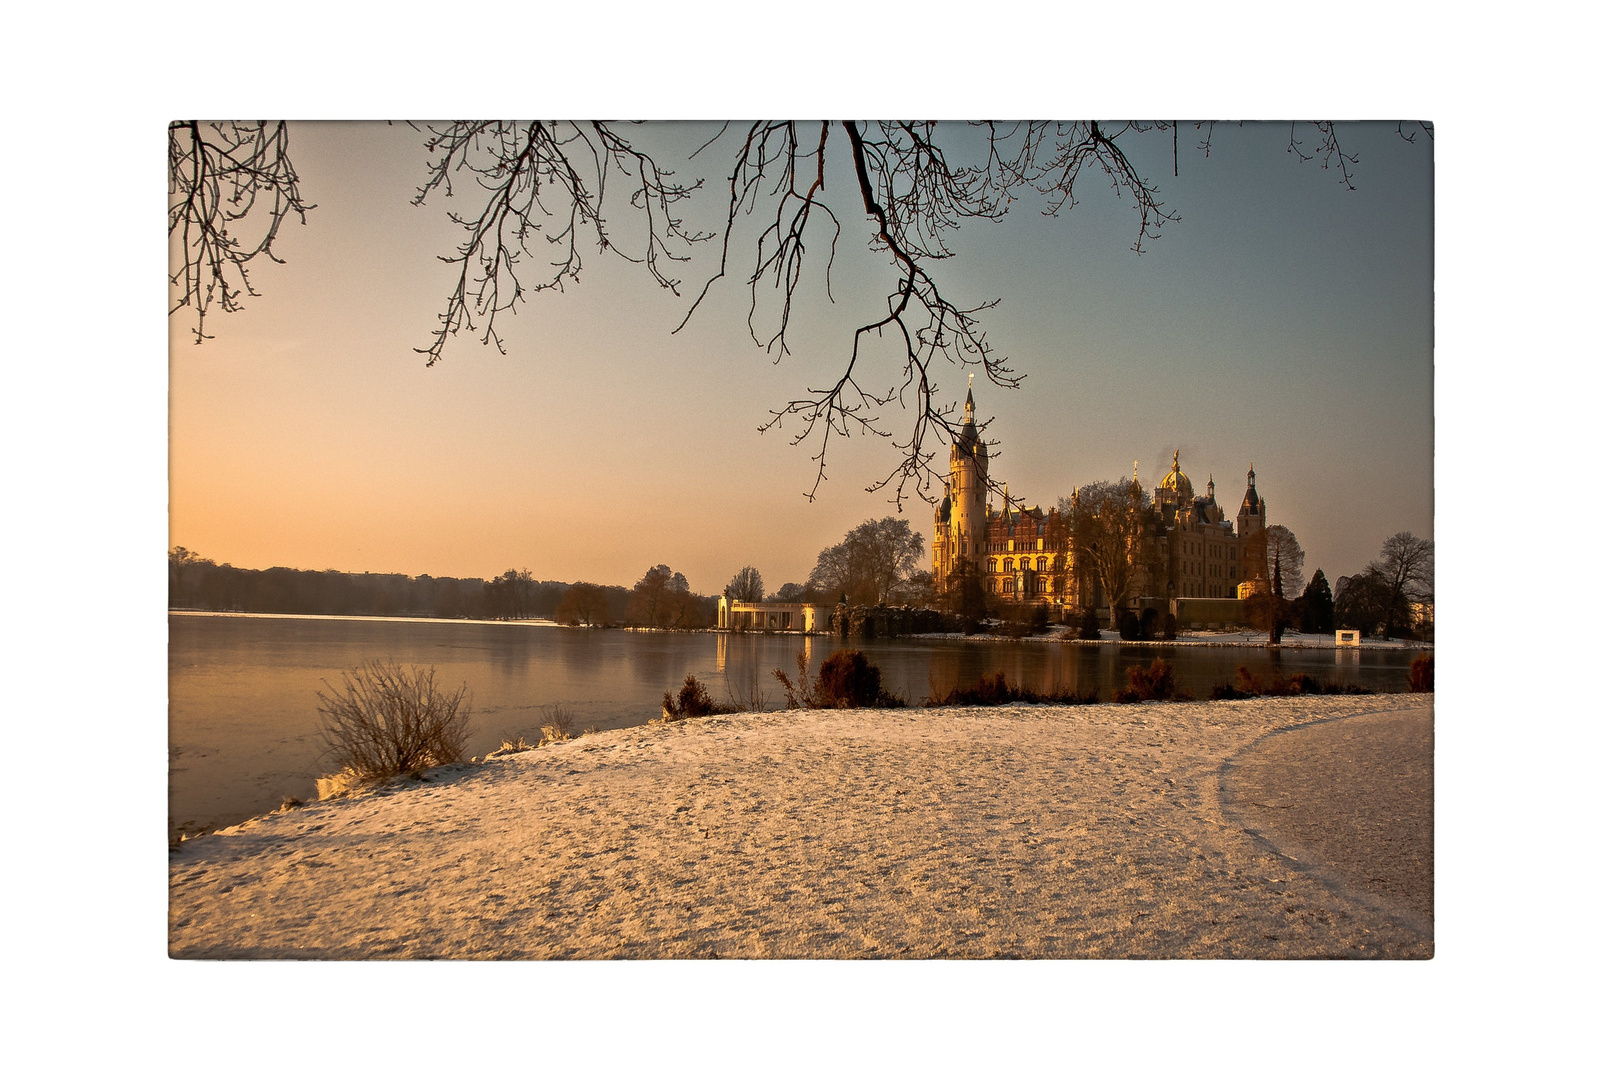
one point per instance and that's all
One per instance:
(1188, 639)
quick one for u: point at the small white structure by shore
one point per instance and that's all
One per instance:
(743, 615)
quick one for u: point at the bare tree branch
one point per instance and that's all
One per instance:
(543, 180)
(542, 187)
(217, 174)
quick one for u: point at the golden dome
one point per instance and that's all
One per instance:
(1176, 484)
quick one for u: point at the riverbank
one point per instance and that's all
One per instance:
(1241, 638)
(1244, 639)
(1020, 831)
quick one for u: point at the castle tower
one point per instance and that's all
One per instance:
(1252, 526)
(961, 517)
(1253, 510)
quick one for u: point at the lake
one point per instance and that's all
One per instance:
(244, 725)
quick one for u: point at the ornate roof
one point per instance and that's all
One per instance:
(1178, 485)
(1252, 501)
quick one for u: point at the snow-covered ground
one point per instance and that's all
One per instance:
(1027, 831)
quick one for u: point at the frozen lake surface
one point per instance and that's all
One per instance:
(243, 719)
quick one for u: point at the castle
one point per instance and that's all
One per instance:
(1024, 554)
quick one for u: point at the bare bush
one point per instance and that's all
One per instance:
(391, 720)
(557, 724)
(508, 745)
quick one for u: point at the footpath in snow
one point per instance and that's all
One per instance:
(1292, 827)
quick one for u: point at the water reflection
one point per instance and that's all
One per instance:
(243, 710)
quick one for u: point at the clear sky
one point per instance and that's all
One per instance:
(1284, 320)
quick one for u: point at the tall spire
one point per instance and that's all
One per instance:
(969, 401)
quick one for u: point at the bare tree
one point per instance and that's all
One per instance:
(582, 603)
(870, 564)
(662, 598)
(1113, 533)
(539, 193)
(1283, 561)
(1406, 564)
(746, 586)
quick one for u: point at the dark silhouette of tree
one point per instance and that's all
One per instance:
(1113, 529)
(746, 586)
(919, 589)
(790, 593)
(583, 604)
(183, 562)
(661, 598)
(538, 193)
(1364, 602)
(868, 566)
(1284, 560)
(510, 595)
(1380, 599)
(964, 592)
(1407, 564)
(1317, 606)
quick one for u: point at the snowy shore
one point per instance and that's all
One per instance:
(1196, 829)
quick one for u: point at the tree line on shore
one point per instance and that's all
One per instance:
(876, 563)
(661, 598)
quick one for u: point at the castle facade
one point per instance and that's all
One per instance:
(1024, 554)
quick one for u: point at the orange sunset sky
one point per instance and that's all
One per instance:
(1284, 320)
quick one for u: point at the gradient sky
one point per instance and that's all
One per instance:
(1284, 320)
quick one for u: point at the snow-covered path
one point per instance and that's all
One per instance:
(1022, 831)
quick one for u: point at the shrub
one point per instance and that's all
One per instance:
(1087, 626)
(994, 689)
(1298, 683)
(1421, 679)
(1168, 629)
(692, 702)
(1127, 625)
(1157, 682)
(846, 680)
(508, 746)
(389, 720)
(1039, 618)
(1225, 691)
(557, 724)
(1245, 683)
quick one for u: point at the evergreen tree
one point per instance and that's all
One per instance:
(1317, 606)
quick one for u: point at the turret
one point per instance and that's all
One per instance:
(1253, 510)
(961, 518)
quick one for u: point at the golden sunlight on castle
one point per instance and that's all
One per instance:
(1025, 554)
